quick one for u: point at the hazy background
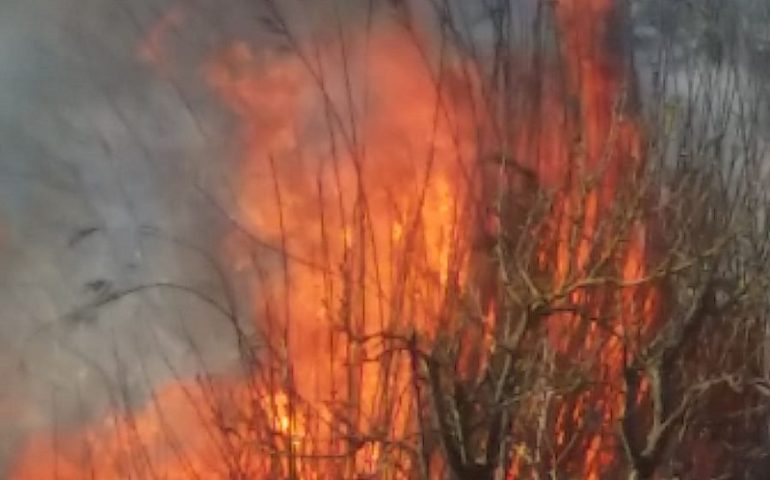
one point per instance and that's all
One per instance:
(100, 158)
(103, 158)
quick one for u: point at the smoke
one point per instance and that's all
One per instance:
(101, 162)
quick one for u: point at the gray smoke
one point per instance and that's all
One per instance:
(101, 162)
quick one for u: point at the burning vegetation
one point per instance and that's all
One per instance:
(471, 262)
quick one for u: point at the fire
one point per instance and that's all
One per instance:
(364, 172)
(383, 193)
(377, 200)
(185, 432)
(610, 143)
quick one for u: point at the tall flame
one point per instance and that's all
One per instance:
(363, 171)
(609, 147)
(371, 207)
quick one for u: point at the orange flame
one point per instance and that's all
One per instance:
(382, 192)
(609, 146)
(363, 178)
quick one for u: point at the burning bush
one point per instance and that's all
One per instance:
(472, 263)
